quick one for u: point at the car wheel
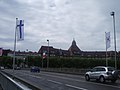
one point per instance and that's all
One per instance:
(102, 79)
(87, 77)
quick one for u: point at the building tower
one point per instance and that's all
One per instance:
(74, 49)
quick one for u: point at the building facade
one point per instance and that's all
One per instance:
(74, 50)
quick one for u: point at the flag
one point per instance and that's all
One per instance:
(1, 51)
(107, 35)
(44, 55)
(20, 30)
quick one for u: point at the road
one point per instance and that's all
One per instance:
(59, 81)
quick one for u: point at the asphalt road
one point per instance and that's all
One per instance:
(59, 81)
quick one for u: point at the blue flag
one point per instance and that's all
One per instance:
(20, 30)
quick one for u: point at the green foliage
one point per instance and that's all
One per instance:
(59, 62)
(33, 61)
(6, 61)
(77, 62)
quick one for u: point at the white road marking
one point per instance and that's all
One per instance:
(75, 87)
(54, 81)
(68, 85)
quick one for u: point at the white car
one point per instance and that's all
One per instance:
(102, 74)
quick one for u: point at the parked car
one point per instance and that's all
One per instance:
(35, 69)
(102, 74)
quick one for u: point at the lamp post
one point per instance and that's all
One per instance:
(48, 55)
(113, 15)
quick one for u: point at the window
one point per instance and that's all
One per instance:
(94, 69)
(100, 69)
(110, 69)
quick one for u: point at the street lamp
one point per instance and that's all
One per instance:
(48, 55)
(113, 15)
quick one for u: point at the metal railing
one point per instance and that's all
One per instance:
(8, 83)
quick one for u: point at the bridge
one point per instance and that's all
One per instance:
(26, 80)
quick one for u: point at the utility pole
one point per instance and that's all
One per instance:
(113, 15)
(48, 55)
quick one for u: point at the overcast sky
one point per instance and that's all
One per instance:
(59, 21)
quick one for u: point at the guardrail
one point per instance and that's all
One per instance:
(8, 83)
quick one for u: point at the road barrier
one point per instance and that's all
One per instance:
(21, 80)
(8, 83)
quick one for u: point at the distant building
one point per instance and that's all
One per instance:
(52, 51)
(1, 51)
(5, 52)
(97, 54)
(22, 55)
(74, 50)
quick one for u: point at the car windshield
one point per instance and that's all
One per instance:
(111, 69)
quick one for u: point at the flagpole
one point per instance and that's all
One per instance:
(48, 55)
(14, 48)
(113, 14)
(106, 59)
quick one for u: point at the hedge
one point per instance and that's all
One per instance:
(61, 62)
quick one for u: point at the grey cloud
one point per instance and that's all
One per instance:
(59, 21)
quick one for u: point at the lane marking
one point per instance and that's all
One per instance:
(68, 85)
(54, 81)
(75, 87)
(62, 74)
